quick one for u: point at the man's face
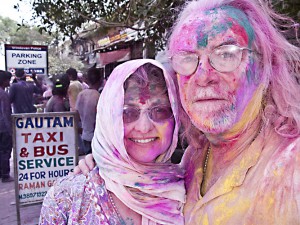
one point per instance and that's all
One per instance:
(215, 101)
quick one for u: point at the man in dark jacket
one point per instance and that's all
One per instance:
(21, 94)
(5, 128)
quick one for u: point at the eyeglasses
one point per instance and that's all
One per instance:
(156, 113)
(225, 58)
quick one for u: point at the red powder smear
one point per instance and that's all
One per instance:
(144, 95)
(239, 30)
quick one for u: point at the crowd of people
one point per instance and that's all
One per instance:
(31, 93)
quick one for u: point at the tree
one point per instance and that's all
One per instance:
(59, 65)
(12, 33)
(288, 7)
(152, 18)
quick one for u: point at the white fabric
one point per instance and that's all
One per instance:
(154, 190)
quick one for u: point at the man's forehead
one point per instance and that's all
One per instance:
(210, 23)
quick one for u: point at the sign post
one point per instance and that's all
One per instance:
(28, 57)
(45, 149)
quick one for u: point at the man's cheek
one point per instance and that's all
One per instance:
(184, 82)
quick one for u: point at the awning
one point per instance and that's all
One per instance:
(113, 56)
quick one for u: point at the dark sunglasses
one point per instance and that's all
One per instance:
(157, 113)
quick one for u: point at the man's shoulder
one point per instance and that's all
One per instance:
(285, 159)
(89, 93)
(288, 147)
(14, 85)
(75, 83)
(191, 154)
(3, 92)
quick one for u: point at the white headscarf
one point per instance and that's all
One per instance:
(154, 190)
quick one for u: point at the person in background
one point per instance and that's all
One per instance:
(86, 106)
(5, 128)
(38, 99)
(74, 89)
(103, 82)
(59, 92)
(47, 94)
(21, 93)
(82, 80)
(135, 136)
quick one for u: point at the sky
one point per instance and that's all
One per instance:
(7, 10)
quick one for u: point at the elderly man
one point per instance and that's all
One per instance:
(5, 128)
(236, 75)
(237, 83)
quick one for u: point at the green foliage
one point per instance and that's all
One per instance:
(8, 29)
(12, 33)
(288, 7)
(60, 65)
(154, 17)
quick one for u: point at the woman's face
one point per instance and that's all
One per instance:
(144, 138)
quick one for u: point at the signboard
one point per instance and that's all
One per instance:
(45, 148)
(121, 36)
(27, 57)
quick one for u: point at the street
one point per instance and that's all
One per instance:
(8, 212)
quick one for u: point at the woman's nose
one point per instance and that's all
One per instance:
(144, 124)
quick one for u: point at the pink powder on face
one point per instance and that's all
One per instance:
(186, 39)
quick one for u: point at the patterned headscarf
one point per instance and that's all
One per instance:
(154, 190)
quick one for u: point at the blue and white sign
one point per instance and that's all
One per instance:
(27, 57)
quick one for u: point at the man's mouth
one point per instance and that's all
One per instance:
(142, 141)
(208, 99)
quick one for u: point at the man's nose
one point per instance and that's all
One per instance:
(144, 124)
(205, 74)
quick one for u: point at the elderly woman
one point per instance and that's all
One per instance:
(136, 134)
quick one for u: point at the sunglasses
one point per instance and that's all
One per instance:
(158, 113)
(225, 58)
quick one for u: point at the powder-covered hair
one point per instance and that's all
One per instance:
(148, 74)
(279, 60)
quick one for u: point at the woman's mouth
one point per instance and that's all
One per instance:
(142, 141)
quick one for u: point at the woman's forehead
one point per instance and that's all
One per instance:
(137, 93)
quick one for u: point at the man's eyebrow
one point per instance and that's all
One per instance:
(229, 42)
